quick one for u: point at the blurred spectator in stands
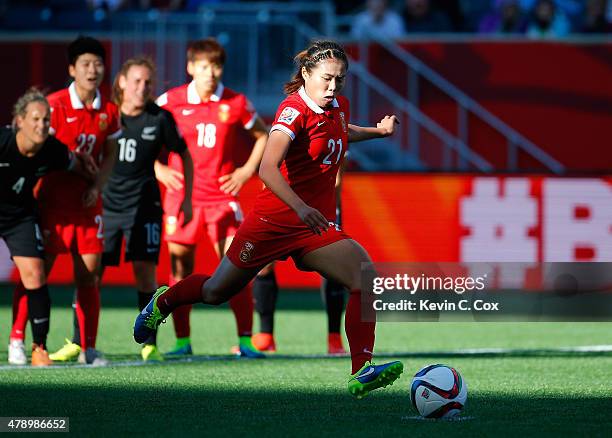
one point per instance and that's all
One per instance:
(595, 20)
(108, 6)
(76, 15)
(162, 5)
(4, 8)
(102, 10)
(65, 5)
(548, 21)
(569, 7)
(346, 7)
(453, 9)
(474, 11)
(506, 18)
(421, 17)
(26, 15)
(198, 5)
(377, 21)
(572, 9)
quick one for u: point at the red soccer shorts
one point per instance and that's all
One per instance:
(67, 232)
(219, 221)
(257, 242)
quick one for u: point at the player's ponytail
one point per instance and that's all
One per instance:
(21, 106)
(297, 80)
(318, 51)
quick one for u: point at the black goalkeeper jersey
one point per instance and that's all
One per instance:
(132, 182)
(19, 174)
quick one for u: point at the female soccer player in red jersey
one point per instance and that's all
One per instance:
(294, 215)
(212, 118)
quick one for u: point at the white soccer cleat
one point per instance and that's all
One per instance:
(16, 352)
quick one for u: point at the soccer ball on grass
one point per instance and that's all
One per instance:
(438, 391)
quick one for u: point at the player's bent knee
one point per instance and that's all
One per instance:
(33, 279)
(212, 295)
(266, 270)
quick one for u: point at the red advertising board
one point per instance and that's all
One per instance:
(408, 218)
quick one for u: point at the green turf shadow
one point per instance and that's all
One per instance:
(212, 408)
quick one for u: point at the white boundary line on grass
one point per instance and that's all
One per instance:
(457, 353)
(437, 420)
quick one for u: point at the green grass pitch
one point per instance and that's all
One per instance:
(529, 389)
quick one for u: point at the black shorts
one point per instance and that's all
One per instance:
(142, 231)
(23, 238)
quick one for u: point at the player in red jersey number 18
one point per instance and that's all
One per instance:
(215, 122)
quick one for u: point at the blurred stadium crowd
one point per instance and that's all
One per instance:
(366, 19)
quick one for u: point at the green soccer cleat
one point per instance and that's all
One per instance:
(181, 348)
(371, 377)
(70, 351)
(149, 319)
(247, 349)
(150, 353)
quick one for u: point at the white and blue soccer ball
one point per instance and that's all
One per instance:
(438, 391)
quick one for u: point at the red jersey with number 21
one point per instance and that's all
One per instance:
(319, 142)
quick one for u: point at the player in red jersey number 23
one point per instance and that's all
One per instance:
(294, 214)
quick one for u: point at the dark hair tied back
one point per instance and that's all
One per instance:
(317, 52)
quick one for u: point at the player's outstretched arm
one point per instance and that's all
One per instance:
(274, 154)
(384, 128)
(233, 182)
(84, 165)
(172, 179)
(186, 206)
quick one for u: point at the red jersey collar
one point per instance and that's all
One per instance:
(311, 103)
(76, 102)
(194, 98)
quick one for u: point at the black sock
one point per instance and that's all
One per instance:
(265, 292)
(143, 300)
(39, 307)
(332, 295)
(76, 330)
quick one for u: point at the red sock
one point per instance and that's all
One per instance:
(242, 306)
(187, 291)
(20, 312)
(180, 318)
(180, 315)
(80, 315)
(88, 304)
(360, 334)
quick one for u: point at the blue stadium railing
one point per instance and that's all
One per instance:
(467, 106)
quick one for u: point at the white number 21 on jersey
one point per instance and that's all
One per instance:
(207, 135)
(331, 145)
